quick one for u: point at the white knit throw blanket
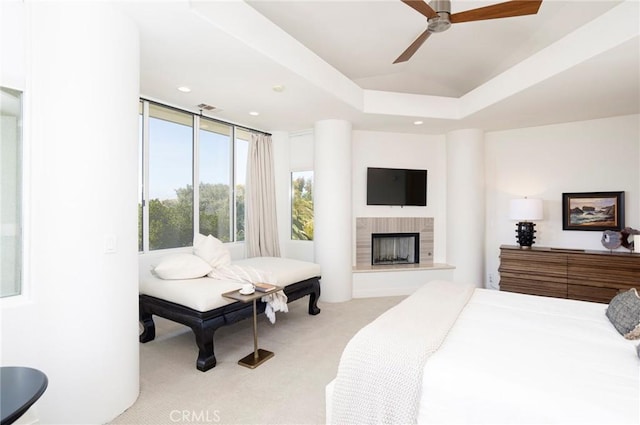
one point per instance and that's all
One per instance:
(379, 378)
(276, 301)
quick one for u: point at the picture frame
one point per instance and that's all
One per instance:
(593, 211)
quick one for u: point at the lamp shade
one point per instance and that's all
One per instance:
(525, 209)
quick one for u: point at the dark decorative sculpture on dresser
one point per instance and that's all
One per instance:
(614, 240)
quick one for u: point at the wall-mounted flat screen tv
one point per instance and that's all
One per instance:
(396, 186)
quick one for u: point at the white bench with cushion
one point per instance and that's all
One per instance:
(197, 301)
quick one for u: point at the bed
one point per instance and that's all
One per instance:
(197, 302)
(506, 358)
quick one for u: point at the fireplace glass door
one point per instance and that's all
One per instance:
(395, 248)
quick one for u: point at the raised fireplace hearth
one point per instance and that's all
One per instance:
(395, 248)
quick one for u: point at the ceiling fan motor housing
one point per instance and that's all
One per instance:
(441, 22)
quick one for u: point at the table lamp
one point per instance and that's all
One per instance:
(525, 211)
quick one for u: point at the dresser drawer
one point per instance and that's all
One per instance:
(595, 276)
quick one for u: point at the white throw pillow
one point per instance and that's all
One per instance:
(211, 250)
(182, 266)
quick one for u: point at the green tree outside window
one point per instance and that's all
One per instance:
(302, 205)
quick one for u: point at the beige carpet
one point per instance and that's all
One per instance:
(286, 389)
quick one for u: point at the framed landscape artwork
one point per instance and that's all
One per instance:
(596, 211)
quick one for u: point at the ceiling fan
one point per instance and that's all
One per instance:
(439, 16)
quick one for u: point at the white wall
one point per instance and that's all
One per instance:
(389, 283)
(12, 44)
(371, 149)
(400, 150)
(596, 155)
(543, 162)
(465, 204)
(77, 318)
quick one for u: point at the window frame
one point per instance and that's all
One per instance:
(22, 195)
(195, 173)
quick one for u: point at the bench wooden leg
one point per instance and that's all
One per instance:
(204, 339)
(148, 327)
(314, 295)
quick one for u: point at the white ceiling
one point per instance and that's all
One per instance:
(574, 60)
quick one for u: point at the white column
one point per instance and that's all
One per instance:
(82, 116)
(332, 208)
(466, 205)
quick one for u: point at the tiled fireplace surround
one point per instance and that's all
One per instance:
(365, 226)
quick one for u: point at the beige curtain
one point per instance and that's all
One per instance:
(261, 228)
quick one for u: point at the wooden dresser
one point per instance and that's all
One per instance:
(566, 273)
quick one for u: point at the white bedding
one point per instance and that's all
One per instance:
(513, 358)
(379, 378)
(204, 294)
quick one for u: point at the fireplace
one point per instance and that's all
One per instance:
(395, 248)
(368, 226)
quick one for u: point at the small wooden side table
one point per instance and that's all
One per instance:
(258, 356)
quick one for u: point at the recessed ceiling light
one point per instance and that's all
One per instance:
(279, 88)
(254, 113)
(418, 123)
(184, 89)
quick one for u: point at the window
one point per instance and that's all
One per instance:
(140, 176)
(192, 178)
(215, 179)
(10, 193)
(242, 152)
(302, 205)
(170, 178)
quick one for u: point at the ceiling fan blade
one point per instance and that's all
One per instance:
(406, 55)
(500, 10)
(421, 7)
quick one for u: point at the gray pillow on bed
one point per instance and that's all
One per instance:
(624, 313)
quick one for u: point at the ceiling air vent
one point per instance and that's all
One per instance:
(206, 107)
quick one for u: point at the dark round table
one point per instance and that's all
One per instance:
(20, 387)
